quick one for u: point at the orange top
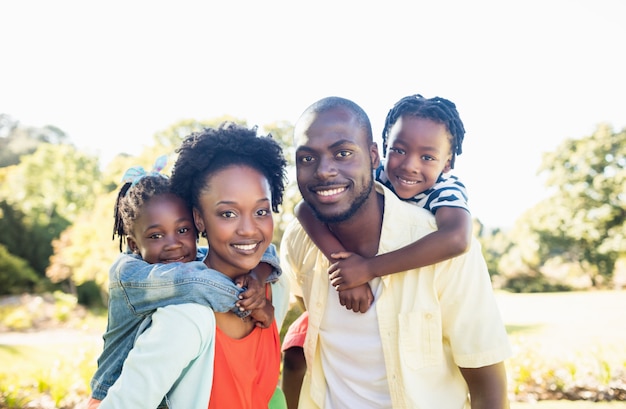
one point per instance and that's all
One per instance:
(246, 370)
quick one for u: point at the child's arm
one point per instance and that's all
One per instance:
(143, 284)
(318, 232)
(267, 271)
(452, 238)
(263, 316)
(355, 299)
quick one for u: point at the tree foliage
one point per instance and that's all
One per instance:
(588, 218)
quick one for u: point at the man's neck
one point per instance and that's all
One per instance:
(361, 233)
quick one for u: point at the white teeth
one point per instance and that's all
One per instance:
(330, 192)
(245, 246)
(408, 182)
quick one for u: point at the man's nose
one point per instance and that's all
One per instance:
(326, 168)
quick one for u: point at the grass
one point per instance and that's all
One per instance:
(559, 340)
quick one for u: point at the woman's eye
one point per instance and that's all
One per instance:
(306, 159)
(263, 212)
(184, 230)
(228, 214)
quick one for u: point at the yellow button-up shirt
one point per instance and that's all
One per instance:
(431, 320)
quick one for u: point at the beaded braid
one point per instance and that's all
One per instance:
(131, 199)
(436, 109)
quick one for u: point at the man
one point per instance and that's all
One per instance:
(433, 337)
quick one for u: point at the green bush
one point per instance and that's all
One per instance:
(16, 276)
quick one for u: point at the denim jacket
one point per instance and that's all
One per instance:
(137, 289)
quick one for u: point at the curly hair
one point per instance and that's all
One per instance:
(130, 200)
(201, 154)
(436, 109)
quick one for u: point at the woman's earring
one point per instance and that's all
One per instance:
(203, 234)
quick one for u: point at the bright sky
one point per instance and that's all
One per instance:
(524, 75)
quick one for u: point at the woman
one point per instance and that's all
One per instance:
(195, 357)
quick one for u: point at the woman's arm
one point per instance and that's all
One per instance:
(177, 349)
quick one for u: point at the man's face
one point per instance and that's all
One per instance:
(334, 163)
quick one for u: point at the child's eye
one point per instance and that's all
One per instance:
(397, 150)
(184, 230)
(428, 158)
(155, 236)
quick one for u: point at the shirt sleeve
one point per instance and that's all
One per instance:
(179, 342)
(271, 257)
(472, 322)
(151, 286)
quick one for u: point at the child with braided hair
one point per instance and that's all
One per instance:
(162, 266)
(421, 139)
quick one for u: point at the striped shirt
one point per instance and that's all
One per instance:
(447, 192)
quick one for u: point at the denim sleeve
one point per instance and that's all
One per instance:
(271, 257)
(147, 287)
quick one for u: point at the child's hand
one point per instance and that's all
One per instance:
(254, 296)
(358, 299)
(350, 271)
(264, 316)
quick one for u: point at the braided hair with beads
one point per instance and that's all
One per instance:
(131, 199)
(436, 109)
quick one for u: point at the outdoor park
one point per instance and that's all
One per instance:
(559, 272)
(569, 351)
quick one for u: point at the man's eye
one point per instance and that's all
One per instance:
(344, 154)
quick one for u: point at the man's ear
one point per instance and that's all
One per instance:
(374, 156)
(132, 245)
(198, 221)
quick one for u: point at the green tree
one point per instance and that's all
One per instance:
(16, 275)
(584, 222)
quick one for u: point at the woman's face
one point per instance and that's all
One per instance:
(236, 213)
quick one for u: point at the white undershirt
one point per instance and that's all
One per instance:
(352, 356)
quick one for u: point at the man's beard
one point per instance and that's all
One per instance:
(354, 208)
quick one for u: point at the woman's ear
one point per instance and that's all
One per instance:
(199, 222)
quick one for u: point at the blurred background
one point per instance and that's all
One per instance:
(89, 90)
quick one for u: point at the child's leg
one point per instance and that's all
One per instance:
(294, 368)
(294, 364)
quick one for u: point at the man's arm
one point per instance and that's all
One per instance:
(487, 386)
